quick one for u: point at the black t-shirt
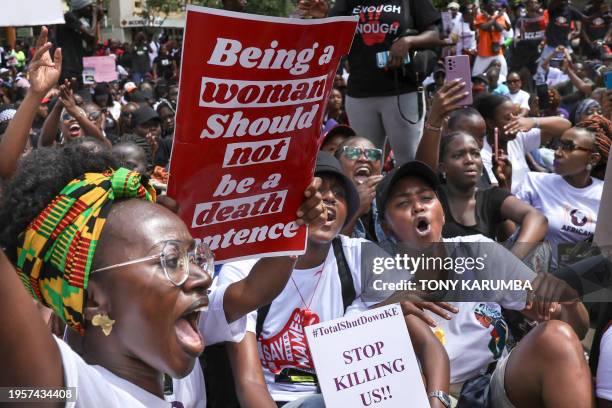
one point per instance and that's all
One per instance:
(381, 22)
(140, 59)
(164, 66)
(598, 23)
(69, 37)
(559, 25)
(163, 151)
(488, 213)
(530, 34)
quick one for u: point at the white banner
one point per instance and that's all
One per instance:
(31, 13)
(367, 360)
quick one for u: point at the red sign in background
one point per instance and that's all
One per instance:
(251, 100)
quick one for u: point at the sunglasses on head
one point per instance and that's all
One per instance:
(353, 153)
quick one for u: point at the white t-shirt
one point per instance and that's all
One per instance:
(571, 212)
(284, 341)
(98, 387)
(603, 388)
(555, 76)
(520, 98)
(476, 336)
(517, 148)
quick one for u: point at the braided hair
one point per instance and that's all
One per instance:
(40, 177)
(601, 128)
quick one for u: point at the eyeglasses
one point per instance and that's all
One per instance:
(94, 115)
(569, 146)
(176, 260)
(67, 117)
(353, 153)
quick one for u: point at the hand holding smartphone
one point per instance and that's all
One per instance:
(458, 67)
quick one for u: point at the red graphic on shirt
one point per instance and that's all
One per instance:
(371, 29)
(289, 347)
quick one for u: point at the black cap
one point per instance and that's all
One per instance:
(143, 115)
(328, 164)
(412, 168)
(480, 77)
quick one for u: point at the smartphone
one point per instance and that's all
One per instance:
(608, 79)
(458, 66)
(543, 98)
(382, 59)
(496, 143)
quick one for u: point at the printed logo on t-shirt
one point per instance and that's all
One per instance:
(490, 317)
(598, 22)
(370, 27)
(578, 222)
(561, 21)
(289, 347)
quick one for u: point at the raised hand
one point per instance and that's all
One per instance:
(312, 210)
(43, 71)
(502, 169)
(367, 192)
(313, 8)
(445, 101)
(519, 125)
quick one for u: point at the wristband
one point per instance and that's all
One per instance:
(536, 123)
(429, 126)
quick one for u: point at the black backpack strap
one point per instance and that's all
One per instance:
(346, 279)
(262, 313)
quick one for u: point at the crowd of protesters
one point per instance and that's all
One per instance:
(403, 161)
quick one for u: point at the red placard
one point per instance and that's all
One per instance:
(251, 101)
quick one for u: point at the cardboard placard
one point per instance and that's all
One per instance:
(251, 99)
(367, 360)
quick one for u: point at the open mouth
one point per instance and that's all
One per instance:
(75, 130)
(186, 327)
(423, 227)
(331, 214)
(361, 173)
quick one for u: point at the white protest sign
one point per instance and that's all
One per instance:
(31, 12)
(367, 360)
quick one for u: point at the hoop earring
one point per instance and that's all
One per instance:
(105, 322)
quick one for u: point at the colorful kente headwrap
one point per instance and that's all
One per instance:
(56, 251)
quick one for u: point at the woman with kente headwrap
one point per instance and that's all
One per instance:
(89, 242)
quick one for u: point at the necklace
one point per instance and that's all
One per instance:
(307, 313)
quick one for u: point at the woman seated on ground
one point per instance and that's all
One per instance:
(315, 294)
(547, 367)
(361, 162)
(517, 136)
(470, 210)
(570, 197)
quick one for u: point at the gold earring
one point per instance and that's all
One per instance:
(103, 321)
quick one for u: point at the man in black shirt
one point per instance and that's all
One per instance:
(82, 26)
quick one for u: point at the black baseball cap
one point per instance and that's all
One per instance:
(328, 164)
(143, 115)
(412, 168)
